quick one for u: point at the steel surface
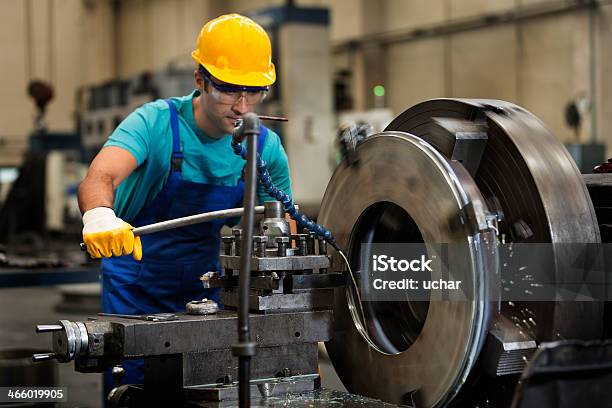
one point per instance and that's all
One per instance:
(404, 170)
(528, 173)
(524, 174)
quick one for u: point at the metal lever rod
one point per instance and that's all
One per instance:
(44, 357)
(189, 220)
(193, 219)
(273, 118)
(44, 328)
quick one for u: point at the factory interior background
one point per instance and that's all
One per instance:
(73, 69)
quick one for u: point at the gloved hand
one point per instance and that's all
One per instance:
(106, 235)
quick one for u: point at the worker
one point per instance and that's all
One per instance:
(173, 158)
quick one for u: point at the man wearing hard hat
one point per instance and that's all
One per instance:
(172, 158)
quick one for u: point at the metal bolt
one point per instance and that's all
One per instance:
(322, 246)
(228, 243)
(300, 240)
(310, 241)
(237, 232)
(286, 372)
(259, 242)
(282, 243)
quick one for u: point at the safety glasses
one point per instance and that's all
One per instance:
(231, 94)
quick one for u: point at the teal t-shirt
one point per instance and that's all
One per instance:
(147, 135)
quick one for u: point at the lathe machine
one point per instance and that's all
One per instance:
(472, 173)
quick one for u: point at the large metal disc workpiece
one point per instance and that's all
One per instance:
(438, 162)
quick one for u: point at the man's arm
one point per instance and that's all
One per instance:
(104, 233)
(108, 169)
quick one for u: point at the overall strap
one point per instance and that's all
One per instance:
(163, 201)
(177, 154)
(261, 139)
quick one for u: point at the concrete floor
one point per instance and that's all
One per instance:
(22, 309)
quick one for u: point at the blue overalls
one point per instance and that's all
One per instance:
(167, 278)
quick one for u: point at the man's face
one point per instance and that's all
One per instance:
(221, 112)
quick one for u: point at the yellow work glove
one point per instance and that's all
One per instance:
(107, 235)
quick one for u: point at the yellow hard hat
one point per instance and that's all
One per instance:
(236, 50)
